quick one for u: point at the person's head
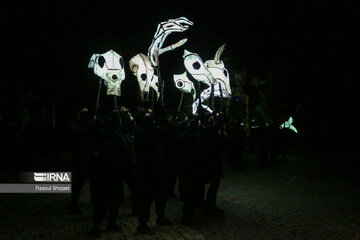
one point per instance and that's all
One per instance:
(127, 123)
(144, 120)
(115, 118)
(219, 118)
(195, 122)
(83, 115)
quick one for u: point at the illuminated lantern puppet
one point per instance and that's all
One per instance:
(212, 73)
(221, 75)
(184, 84)
(141, 67)
(180, 24)
(195, 66)
(163, 30)
(288, 124)
(110, 67)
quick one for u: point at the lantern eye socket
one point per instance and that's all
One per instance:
(225, 73)
(196, 65)
(180, 84)
(101, 61)
(143, 76)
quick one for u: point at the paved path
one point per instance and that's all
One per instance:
(304, 197)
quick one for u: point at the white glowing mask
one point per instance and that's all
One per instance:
(165, 28)
(184, 84)
(221, 75)
(212, 72)
(110, 67)
(140, 66)
(195, 66)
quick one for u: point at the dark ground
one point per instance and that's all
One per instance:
(312, 193)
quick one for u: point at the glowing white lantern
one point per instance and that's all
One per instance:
(165, 28)
(212, 72)
(141, 67)
(195, 66)
(184, 84)
(110, 67)
(221, 75)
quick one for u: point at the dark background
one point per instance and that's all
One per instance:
(312, 48)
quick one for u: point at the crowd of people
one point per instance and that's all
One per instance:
(147, 150)
(150, 154)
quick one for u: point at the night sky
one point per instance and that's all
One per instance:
(312, 48)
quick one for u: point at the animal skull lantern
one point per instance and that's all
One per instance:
(184, 84)
(140, 66)
(110, 67)
(213, 73)
(195, 66)
(221, 75)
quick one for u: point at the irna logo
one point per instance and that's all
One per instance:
(51, 177)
